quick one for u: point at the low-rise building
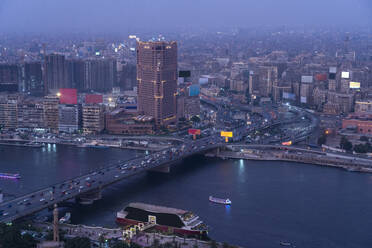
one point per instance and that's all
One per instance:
(93, 118)
(121, 122)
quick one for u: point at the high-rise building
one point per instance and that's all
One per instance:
(100, 74)
(8, 114)
(33, 81)
(76, 74)
(30, 114)
(51, 112)
(9, 77)
(157, 80)
(268, 77)
(93, 118)
(55, 72)
(68, 118)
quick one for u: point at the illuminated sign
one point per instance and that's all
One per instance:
(354, 85)
(226, 134)
(287, 143)
(345, 74)
(194, 131)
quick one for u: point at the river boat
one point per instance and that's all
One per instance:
(66, 218)
(10, 175)
(220, 200)
(164, 219)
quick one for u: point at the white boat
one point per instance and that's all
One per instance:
(66, 218)
(219, 200)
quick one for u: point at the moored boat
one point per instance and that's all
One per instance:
(164, 218)
(10, 175)
(220, 200)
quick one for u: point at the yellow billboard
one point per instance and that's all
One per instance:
(226, 134)
(354, 85)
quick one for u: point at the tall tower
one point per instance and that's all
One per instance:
(55, 72)
(157, 80)
(55, 224)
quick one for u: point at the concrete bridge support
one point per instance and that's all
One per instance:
(162, 169)
(91, 196)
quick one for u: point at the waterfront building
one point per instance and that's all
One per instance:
(120, 121)
(50, 110)
(157, 80)
(31, 114)
(68, 118)
(362, 123)
(93, 118)
(8, 114)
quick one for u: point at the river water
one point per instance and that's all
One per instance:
(309, 206)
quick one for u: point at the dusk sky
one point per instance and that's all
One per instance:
(122, 15)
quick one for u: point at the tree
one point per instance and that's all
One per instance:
(364, 138)
(322, 140)
(345, 144)
(195, 119)
(121, 244)
(78, 242)
(213, 244)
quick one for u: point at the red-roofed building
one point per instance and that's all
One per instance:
(67, 96)
(93, 99)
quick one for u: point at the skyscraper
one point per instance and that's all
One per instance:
(9, 77)
(33, 77)
(157, 80)
(55, 72)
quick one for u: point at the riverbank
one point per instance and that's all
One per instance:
(329, 160)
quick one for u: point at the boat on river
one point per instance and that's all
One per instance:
(220, 200)
(10, 175)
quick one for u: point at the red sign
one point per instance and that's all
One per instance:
(68, 96)
(93, 98)
(194, 131)
(321, 77)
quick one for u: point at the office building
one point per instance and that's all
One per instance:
(50, 110)
(9, 77)
(8, 114)
(68, 118)
(33, 77)
(31, 114)
(100, 75)
(55, 74)
(93, 118)
(157, 80)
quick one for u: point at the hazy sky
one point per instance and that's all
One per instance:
(126, 15)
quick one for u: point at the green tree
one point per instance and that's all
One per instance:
(364, 138)
(213, 244)
(322, 140)
(195, 119)
(78, 242)
(345, 144)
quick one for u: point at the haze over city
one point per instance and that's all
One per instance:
(129, 15)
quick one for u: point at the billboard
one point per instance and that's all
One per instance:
(289, 96)
(321, 77)
(203, 80)
(226, 134)
(93, 98)
(193, 131)
(184, 74)
(67, 96)
(306, 79)
(345, 74)
(303, 99)
(354, 85)
(194, 90)
(332, 69)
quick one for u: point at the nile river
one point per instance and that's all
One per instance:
(309, 206)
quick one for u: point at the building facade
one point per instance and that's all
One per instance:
(157, 80)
